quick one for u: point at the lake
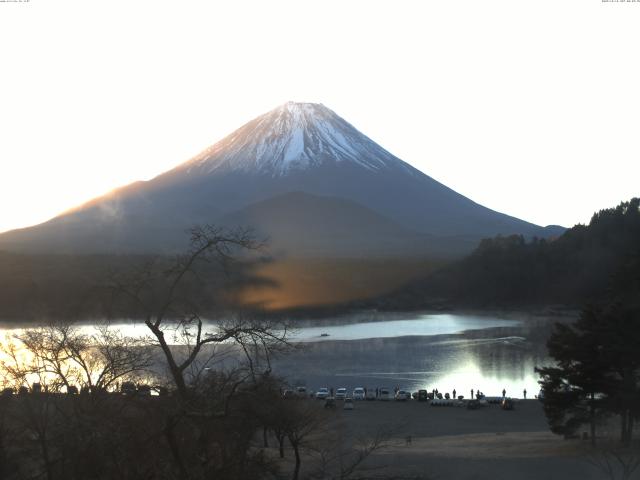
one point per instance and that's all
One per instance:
(413, 350)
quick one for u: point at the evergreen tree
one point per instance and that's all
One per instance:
(621, 333)
(597, 372)
(575, 389)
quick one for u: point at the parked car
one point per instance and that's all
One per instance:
(341, 393)
(348, 404)
(371, 394)
(423, 395)
(322, 393)
(384, 394)
(162, 391)
(144, 390)
(128, 388)
(288, 394)
(358, 393)
(403, 395)
(301, 392)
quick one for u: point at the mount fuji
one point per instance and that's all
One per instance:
(300, 175)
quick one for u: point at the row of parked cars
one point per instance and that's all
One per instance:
(386, 394)
(358, 393)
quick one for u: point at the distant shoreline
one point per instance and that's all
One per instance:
(330, 317)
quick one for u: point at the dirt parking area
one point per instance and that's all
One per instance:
(455, 443)
(421, 420)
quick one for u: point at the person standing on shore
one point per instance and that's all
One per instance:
(524, 393)
(504, 393)
(454, 393)
(472, 394)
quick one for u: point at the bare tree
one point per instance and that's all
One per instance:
(45, 424)
(61, 355)
(302, 423)
(15, 368)
(206, 429)
(171, 300)
(616, 461)
(340, 458)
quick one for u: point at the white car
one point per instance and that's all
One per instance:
(384, 394)
(358, 393)
(341, 393)
(371, 394)
(348, 404)
(403, 395)
(322, 393)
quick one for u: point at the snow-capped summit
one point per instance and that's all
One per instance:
(293, 136)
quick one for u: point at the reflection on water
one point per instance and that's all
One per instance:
(461, 352)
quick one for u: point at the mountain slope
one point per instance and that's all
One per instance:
(296, 147)
(301, 224)
(307, 147)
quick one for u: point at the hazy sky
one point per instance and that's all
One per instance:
(528, 107)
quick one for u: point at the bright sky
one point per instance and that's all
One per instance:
(528, 107)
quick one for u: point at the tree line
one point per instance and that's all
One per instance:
(575, 268)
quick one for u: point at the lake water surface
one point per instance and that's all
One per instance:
(399, 326)
(413, 350)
